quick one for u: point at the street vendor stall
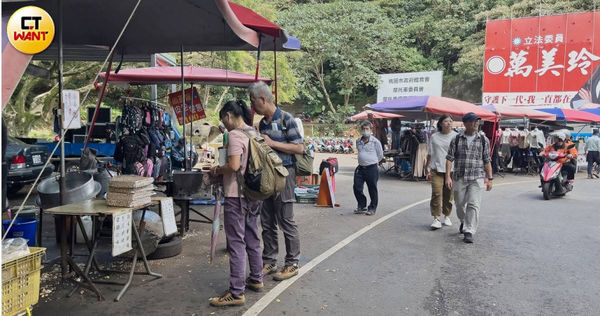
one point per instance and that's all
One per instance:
(423, 108)
(132, 30)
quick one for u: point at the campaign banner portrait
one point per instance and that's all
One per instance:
(546, 61)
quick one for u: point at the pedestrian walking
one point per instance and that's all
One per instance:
(469, 152)
(592, 149)
(241, 215)
(442, 197)
(280, 131)
(370, 153)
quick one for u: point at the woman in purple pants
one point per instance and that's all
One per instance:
(241, 215)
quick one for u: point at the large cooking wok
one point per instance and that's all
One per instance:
(80, 186)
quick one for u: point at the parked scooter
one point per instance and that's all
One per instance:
(554, 182)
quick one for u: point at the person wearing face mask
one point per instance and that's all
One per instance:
(370, 153)
(241, 214)
(562, 145)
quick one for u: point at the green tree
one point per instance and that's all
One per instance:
(350, 39)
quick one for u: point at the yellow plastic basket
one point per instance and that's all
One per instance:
(21, 281)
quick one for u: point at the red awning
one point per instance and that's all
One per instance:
(254, 21)
(376, 115)
(518, 112)
(172, 75)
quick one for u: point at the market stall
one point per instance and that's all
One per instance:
(415, 136)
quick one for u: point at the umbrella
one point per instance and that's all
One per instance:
(192, 74)
(216, 224)
(518, 112)
(570, 115)
(415, 107)
(376, 115)
(593, 111)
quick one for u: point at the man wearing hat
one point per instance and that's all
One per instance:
(470, 154)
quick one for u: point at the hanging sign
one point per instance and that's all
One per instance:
(71, 110)
(192, 113)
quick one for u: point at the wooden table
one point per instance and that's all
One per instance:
(99, 211)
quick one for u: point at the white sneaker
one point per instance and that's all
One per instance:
(436, 224)
(447, 221)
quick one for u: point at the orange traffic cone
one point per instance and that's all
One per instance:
(326, 196)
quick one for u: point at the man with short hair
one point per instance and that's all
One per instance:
(592, 149)
(470, 153)
(370, 153)
(280, 131)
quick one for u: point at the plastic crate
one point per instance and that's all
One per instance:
(21, 281)
(306, 198)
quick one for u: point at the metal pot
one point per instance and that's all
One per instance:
(102, 176)
(80, 186)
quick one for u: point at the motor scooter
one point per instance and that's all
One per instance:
(553, 182)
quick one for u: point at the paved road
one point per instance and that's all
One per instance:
(530, 257)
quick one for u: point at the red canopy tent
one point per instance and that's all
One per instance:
(376, 115)
(192, 74)
(518, 112)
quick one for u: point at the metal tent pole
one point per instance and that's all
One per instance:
(192, 110)
(63, 181)
(185, 157)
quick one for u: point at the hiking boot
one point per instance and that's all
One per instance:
(460, 229)
(360, 210)
(254, 285)
(436, 224)
(447, 221)
(228, 299)
(468, 238)
(286, 272)
(269, 268)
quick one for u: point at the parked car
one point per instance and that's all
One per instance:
(25, 162)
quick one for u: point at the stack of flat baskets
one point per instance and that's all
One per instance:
(130, 191)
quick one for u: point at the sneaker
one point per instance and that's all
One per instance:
(286, 272)
(370, 212)
(269, 268)
(436, 224)
(228, 299)
(360, 210)
(447, 221)
(590, 176)
(254, 286)
(468, 238)
(460, 229)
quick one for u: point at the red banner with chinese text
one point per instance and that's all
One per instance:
(543, 61)
(193, 113)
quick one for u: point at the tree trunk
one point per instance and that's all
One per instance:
(206, 96)
(320, 77)
(218, 106)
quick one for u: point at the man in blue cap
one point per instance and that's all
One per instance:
(470, 154)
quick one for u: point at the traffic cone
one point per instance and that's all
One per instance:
(325, 198)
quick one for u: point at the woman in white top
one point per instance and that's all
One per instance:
(441, 197)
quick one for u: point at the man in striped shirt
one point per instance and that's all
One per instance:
(280, 131)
